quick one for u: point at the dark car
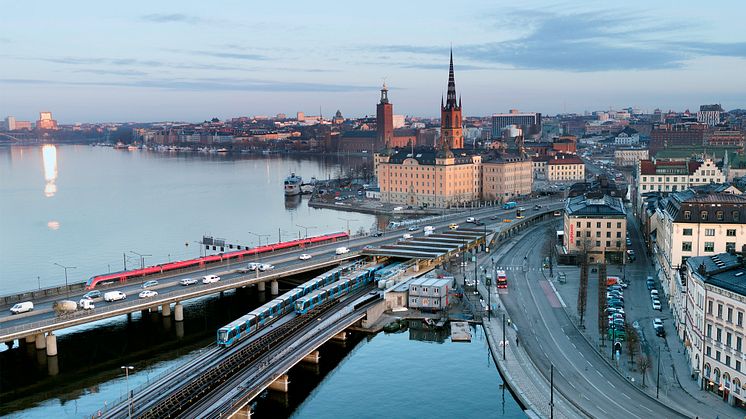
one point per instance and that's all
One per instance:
(378, 234)
(537, 207)
(90, 295)
(650, 284)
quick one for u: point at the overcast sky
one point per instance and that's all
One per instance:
(93, 61)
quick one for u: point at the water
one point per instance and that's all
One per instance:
(85, 207)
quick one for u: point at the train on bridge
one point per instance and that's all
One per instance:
(123, 276)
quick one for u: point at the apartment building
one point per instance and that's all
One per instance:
(565, 167)
(673, 176)
(506, 177)
(596, 224)
(630, 157)
(689, 224)
(715, 306)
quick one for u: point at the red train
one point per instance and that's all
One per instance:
(202, 261)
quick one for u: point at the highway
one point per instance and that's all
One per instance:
(547, 333)
(14, 326)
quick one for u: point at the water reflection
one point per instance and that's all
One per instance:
(292, 202)
(49, 155)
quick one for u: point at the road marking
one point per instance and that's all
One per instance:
(605, 412)
(599, 373)
(559, 297)
(610, 383)
(625, 395)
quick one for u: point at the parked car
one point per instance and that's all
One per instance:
(148, 294)
(304, 256)
(266, 267)
(413, 228)
(654, 294)
(657, 322)
(188, 281)
(22, 307)
(90, 295)
(650, 284)
(148, 284)
(209, 279)
(657, 305)
(114, 296)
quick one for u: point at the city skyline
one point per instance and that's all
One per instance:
(192, 62)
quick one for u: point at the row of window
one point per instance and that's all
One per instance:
(708, 246)
(683, 178)
(598, 234)
(719, 215)
(598, 224)
(618, 243)
(737, 366)
(731, 232)
(728, 313)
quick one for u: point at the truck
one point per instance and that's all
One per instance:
(509, 205)
(64, 306)
(86, 304)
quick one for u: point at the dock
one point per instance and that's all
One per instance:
(460, 332)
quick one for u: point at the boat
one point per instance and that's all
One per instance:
(120, 146)
(132, 148)
(222, 150)
(292, 185)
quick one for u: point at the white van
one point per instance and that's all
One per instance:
(86, 304)
(428, 228)
(209, 279)
(342, 250)
(406, 236)
(22, 307)
(114, 296)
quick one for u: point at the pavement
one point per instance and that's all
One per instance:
(676, 386)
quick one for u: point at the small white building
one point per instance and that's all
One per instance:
(430, 293)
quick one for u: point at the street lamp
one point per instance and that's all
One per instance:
(67, 290)
(348, 223)
(127, 370)
(142, 257)
(259, 236)
(306, 228)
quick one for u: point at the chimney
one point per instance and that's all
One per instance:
(701, 269)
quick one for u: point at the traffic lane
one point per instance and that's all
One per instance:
(559, 343)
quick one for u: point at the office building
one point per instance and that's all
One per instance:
(595, 224)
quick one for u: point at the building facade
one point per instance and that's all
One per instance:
(596, 224)
(673, 176)
(506, 177)
(528, 122)
(715, 306)
(564, 167)
(630, 157)
(710, 114)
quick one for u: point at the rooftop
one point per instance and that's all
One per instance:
(723, 270)
(588, 206)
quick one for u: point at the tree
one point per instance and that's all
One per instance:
(583, 291)
(632, 340)
(602, 322)
(644, 362)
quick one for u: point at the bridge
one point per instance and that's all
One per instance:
(39, 326)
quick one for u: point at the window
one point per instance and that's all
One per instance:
(708, 351)
(619, 225)
(728, 337)
(731, 232)
(709, 307)
(730, 315)
(709, 330)
(719, 334)
(618, 234)
(598, 224)
(720, 311)
(717, 355)
(686, 246)
(703, 215)
(577, 224)
(587, 234)
(739, 316)
(735, 215)
(608, 243)
(608, 225)
(730, 247)
(709, 232)
(727, 360)
(687, 232)
(577, 234)
(598, 243)
(738, 368)
(608, 234)
(598, 234)
(618, 243)
(687, 215)
(739, 340)
(719, 215)
(577, 243)
(709, 246)
(588, 224)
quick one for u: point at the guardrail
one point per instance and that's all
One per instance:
(200, 290)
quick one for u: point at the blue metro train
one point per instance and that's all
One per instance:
(351, 281)
(258, 318)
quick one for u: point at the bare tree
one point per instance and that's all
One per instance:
(632, 340)
(644, 362)
(602, 322)
(583, 291)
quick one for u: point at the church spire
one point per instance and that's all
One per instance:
(451, 95)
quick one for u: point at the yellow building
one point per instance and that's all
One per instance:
(565, 167)
(429, 178)
(506, 177)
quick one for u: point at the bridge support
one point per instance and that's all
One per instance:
(51, 344)
(341, 336)
(243, 413)
(30, 339)
(145, 312)
(280, 384)
(41, 341)
(261, 286)
(178, 312)
(166, 310)
(312, 358)
(274, 288)
(9, 344)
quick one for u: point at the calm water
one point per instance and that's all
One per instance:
(85, 206)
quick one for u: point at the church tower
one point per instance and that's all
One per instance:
(451, 131)
(384, 120)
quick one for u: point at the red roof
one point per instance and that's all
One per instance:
(648, 167)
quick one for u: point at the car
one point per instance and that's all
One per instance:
(114, 296)
(471, 220)
(557, 213)
(650, 284)
(494, 217)
(367, 246)
(654, 294)
(209, 279)
(507, 220)
(304, 256)
(266, 267)
(22, 307)
(148, 284)
(342, 250)
(148, 294)
(453, 226)
(249, 268)
(188, 281)
(660, 331)
(86, 304)
(406, 236)
(537, 207)
(657, 305)
(615, 294)
(657, 322)
(617, 323)
(398, 208)
(90, 295)
(413, 228)
(378, 234)
(615, 287)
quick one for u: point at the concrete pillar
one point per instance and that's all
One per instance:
(242, 413)
(41, 342)
(166, 310)
(30, 339)
(341, 336)
(51, 344)
(9, 344)
(312, 358)
(280, 384)
(275, 288)
(261, 286)
(179, 312)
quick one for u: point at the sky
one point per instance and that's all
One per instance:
(93, 61)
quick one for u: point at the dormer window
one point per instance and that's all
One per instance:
(703, 215)
(687, 215)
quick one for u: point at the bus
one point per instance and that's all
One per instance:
(519, 213)
(509, 205)
(502, 279)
